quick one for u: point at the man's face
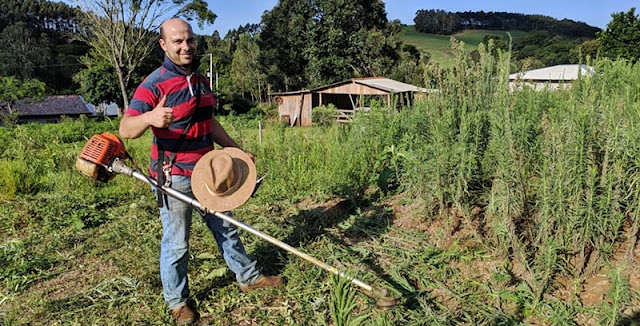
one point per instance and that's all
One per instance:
(178, 43)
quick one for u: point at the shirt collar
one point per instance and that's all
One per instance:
(171, 66)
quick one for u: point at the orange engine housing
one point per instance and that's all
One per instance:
(103, 148)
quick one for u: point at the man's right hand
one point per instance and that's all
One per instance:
(161, 116)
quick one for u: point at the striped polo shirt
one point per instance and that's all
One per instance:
(182, 91)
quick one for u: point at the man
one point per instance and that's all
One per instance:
(177, 104)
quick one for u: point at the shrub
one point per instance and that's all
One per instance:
(324, 115)
(20, 177)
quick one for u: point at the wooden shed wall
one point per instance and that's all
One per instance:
(290, 106)
(353, 88)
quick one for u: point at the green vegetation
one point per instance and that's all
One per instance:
(38, 43)
(312, 43)
(621, 38)
(536, 41)
(297, 44)
(438, 47)
(444, 22)
(477, 206)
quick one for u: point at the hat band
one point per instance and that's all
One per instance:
(233, 188)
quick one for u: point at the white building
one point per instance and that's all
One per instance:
(552, 78)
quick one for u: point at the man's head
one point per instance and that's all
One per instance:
(178, 42)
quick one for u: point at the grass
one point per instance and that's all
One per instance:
(476, 206)
(439, 46)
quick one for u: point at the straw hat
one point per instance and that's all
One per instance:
(223, 179)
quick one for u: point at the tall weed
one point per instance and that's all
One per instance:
(342, 303)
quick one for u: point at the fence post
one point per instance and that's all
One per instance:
(260, 132)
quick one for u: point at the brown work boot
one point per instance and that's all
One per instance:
(262, 282)
(184, 315)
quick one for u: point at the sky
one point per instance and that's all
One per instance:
(233, 13)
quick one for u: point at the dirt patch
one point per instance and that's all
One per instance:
(479, 270)
(594, 290)
(77, 277)
(410, 215)
(309, 204)
(443, 229)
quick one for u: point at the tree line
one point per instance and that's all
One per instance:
(36, 42)
(297, 44)
(443, 22)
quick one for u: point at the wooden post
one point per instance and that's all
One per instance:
(260, 132)
(353, 104)
(299, 115)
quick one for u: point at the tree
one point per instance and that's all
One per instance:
(351, 39)
(586, 49)
(306, 43)
(246, 70)
(123, 32)
(409, 68)
(284, 42)
(222, 81)
(97, 81)
(23, 52)
(621, 38)
(437, 22)
(13, 89)
(36, 35)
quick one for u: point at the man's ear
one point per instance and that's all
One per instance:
(161, 41)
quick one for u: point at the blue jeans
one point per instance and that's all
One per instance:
(174, 251)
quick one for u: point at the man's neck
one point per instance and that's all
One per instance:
(187, 69)
(183, 70)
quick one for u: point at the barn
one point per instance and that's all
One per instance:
(349, 97)
(49, 109)
(551, 78)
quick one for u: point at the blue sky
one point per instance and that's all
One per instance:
(233, 13)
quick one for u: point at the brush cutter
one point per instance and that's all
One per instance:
(104, 156)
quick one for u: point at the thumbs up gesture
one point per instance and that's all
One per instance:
(161, 116)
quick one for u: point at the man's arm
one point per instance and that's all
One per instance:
(135, 126)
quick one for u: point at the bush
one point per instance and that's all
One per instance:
(324, 115)
(18, 177)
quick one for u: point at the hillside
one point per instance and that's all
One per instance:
(439, 46)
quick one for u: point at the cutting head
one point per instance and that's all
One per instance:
(383, 299)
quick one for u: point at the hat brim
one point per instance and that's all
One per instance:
(229, 201)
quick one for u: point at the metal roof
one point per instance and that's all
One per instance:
(554, 73)
(51, 105)
(387, 84)
(381, 83)
(304, 91)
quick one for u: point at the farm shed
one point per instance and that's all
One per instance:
(348, 96)
(50, 109)
(552, 78)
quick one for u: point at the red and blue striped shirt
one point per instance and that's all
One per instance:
(182, 91)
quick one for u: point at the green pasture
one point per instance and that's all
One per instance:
(477, 206)
(439, 46)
